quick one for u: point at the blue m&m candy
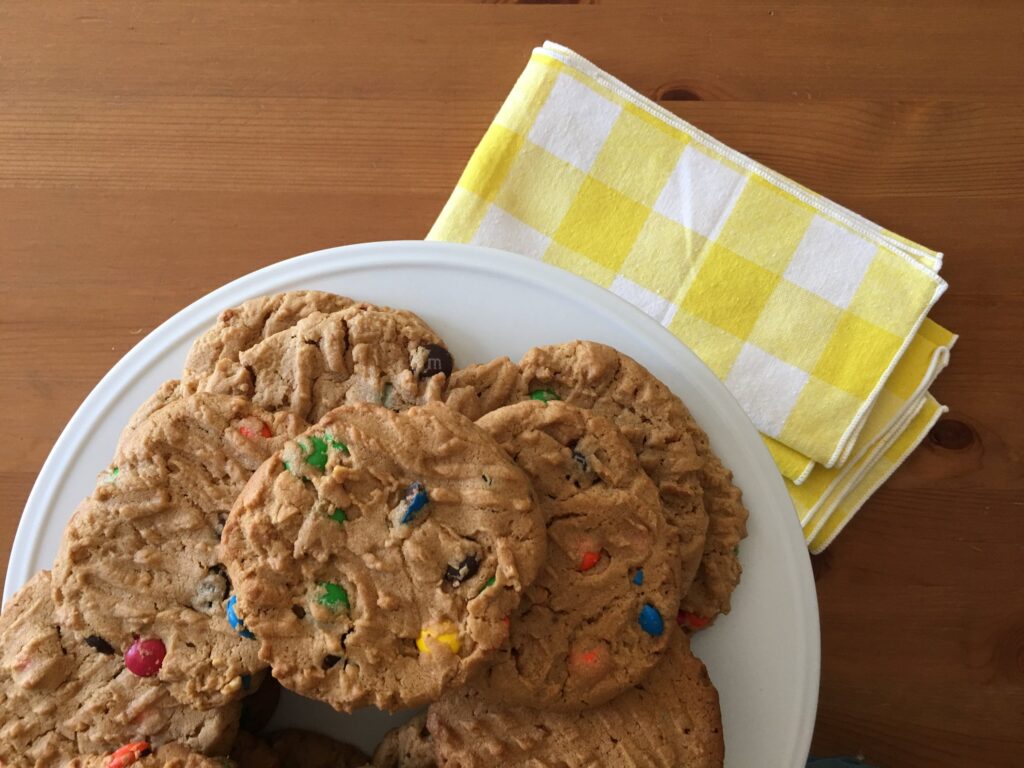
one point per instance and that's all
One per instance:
(415, 499)
(235, 620)
(651, 621)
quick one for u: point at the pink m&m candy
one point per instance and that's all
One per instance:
(145, 657)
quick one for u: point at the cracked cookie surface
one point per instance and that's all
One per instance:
(376, 556)
(599, 614)
(361, 354)
(670, 719)
(139, 559)
(214, 355)
(63, 696)
(141, 755)
(407, 746)
(243, 327)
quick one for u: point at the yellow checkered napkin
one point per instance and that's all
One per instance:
(873, 474)
(900, 419)
(801, 307)
(925, 357)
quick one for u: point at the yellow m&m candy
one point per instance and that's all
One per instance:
(446, 634)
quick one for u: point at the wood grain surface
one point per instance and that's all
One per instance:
(150, 152)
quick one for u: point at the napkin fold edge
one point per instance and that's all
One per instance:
(867, 487)
(914, 402)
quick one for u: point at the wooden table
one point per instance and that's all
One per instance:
(149, 152)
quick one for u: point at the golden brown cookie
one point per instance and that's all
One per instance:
(165, 394)
(696, 489)
(480, 389)
(253, 752)
(600, 613)
(671, 719)
(361, 354)
(141, 754)
(296, 748)
(139, 561)
(236, 330)
(243, 327)
(63, 696)
(720, 570)
(408, 746)
(376, 556)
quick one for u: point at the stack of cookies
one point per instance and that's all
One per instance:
(324, 502)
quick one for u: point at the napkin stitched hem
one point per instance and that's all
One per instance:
(860, 494)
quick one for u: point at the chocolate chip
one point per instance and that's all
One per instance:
(330, 660)
(98, 643)
(439, 360)
(580, 459)
(299, 611)
(456, 574)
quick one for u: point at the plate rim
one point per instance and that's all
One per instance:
(292, 272)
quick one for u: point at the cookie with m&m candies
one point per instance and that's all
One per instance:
(241, 328)
(65, 696)
(407, 746)
(361, 353)
(139, 569)
(212, 362)
(697, 490)
(602, 610)
(378, 555)
(670, 719)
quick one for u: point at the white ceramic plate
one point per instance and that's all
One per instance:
(763, 657)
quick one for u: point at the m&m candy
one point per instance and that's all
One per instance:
(315, 449)
(338, 515)
(466, 569)
(691, 620)
(128, 754)
(588, 560)
(446, 634)
(544, 395)
(415, 499)
(651, 621)
(144, 657)
(235, 620)
(333, 595)
(252, 428)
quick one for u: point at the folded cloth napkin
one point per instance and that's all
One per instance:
(804, 309)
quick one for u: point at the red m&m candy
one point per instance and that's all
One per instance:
(128, 754)
(145, 657)
(691, 620)
(588, 560)
(252, 427)
(589, 661)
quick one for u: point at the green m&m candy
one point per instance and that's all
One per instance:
(544, 395)
(333, 595)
